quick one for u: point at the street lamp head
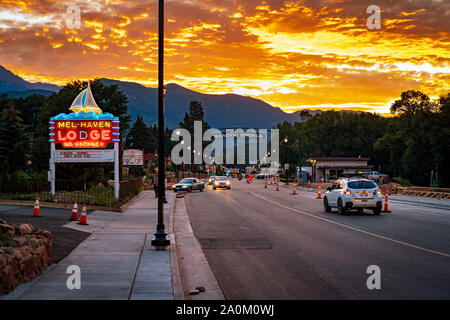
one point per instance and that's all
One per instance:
(164, 91)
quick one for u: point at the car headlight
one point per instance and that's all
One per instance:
(228, 182)
(184, 186)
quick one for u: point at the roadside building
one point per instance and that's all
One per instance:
(331, 168)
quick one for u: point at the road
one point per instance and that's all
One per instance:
(264, 244)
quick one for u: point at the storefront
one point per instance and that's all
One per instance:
(328, 169)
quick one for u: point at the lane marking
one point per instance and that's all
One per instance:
(353, 228)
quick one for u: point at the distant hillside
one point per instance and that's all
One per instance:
(11, 82)
(221, 111)
(26, 93)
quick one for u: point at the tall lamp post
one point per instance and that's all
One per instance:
(160, 241)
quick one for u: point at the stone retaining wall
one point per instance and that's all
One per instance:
(27, 255)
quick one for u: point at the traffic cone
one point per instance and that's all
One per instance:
(83, 218)
(386, 207)
(293, 192)
(36, 210)
(270, 180)
(74, 216)
(319, 193)
(265, 184)
(309, 184)
(278, 189)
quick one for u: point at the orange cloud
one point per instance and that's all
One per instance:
(292, 54)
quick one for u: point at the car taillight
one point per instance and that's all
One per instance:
(347, 192)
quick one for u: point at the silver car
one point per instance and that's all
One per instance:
(359, 194)
(189, 184)
(221, 182)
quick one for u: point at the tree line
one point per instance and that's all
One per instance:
(408, 145)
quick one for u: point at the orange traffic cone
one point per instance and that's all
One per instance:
(278, 189)
(309, 184)
(319, 193)
(271, 180)
(83, 218)
(293, 191)
(74, 216)
(386, 207)
(36, 210)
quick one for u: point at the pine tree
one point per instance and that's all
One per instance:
(140, 137)
(12, 132)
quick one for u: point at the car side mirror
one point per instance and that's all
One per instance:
(329, 189)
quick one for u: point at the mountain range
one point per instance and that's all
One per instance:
(221, 111)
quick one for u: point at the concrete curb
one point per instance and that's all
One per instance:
(194, 268)
(177, 284)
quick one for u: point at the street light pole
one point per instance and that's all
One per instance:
(160, 241)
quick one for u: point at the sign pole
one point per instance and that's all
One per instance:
(116, 170)
(52, 169)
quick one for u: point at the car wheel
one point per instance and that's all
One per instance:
(341, 209)
(174, 190)
(214, 188)
(201, 189)
(377, 210)
(189, 189)
(229, 188)
(326, 207)
(360, 210)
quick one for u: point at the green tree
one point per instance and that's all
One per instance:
(141, 137)
(12, 131)
(195, 113)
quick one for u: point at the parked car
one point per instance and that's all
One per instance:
(260, 176)
(222, 182)
(376, 176)
(211, 180)
(348, 194)
(189, 184)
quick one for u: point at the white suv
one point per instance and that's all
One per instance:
(347, 194)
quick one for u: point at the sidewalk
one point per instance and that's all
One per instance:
(116, 260)
(428, 202)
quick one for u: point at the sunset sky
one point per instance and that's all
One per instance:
(291, 54)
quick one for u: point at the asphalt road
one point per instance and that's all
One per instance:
(264, 244)
(64, 239)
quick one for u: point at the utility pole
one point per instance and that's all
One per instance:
(160, 241)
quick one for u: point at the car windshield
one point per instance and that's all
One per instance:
(221, 178)
(212, 177)
(187, 181)
(362, 185)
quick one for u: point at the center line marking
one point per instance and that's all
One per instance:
(353, 228)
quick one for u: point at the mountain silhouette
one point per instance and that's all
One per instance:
(221, 110)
